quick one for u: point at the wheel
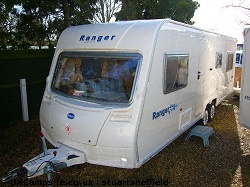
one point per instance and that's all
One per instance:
(211, 112)
(204, 120)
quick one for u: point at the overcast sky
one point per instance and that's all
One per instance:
(213, 15)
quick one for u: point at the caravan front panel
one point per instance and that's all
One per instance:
(95, 90)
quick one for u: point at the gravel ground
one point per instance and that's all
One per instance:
(183, 163)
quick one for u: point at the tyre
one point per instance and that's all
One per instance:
(211, 111)
(204, 120)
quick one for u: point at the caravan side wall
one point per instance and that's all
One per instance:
(169, 110)
(245, 85)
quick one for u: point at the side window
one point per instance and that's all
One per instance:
(230, 59)
(218, 63)
(175, 72)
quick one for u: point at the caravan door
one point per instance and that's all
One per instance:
(200, 78)
(245, 87)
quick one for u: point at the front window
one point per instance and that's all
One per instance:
(100, 76)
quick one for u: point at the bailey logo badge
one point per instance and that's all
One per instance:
(71, 115)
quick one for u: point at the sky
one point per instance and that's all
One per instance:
(214, 15)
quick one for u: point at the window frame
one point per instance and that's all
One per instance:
(230, 61)
(218, 59)
(165, 66)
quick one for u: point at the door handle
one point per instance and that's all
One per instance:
(199, 74)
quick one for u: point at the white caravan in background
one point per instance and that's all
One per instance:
(118, 93)
(245, 85)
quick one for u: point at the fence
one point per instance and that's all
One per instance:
(33, 65)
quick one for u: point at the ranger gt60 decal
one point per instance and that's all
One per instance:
(94, 38)
(167, 110)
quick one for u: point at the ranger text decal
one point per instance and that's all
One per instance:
(167, 110)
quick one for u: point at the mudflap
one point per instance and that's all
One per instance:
(53, 160)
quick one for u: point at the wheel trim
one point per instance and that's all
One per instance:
(205, 118)
(212, 112)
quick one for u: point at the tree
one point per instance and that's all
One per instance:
(75, 12)
(38, 22)
(105, 10)
(244, 7)
(32, 27)
(241, 5)
(179, 10)
(3, 25)
(24, 23)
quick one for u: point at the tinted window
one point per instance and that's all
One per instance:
(106, 77)
(175, 72)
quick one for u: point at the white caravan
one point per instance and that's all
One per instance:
(118, 93)
(245, 85)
